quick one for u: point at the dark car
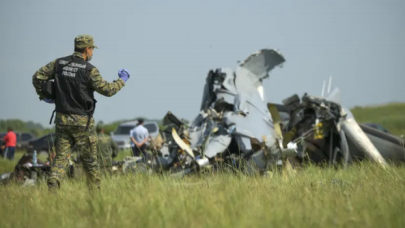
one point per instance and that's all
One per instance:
(22, 139)
(378, 127)
(43, 144)
(1, 147)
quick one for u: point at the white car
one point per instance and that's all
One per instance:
(121, 133)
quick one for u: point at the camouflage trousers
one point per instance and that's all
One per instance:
(86, 145)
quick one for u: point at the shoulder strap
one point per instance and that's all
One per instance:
(53, 113)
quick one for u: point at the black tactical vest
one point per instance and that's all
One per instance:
(73, 94)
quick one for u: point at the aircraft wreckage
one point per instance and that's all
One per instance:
(237, 128)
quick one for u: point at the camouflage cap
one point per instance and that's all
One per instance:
(83, 41)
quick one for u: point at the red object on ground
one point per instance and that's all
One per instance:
(10, 139)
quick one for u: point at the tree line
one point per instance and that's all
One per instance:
(38, 130)
(24, 126)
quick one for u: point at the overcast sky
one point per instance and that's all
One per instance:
(169, 47)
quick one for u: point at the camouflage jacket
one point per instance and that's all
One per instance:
(97, 83)
(106, 148)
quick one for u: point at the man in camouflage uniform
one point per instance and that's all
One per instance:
(107, 149)
(75, 81)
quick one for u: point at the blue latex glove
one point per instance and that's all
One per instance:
(49, 101)
(123, 74)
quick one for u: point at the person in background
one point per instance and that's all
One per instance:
(107, 149)
(131, 132)
(10, 140)
(139, 137)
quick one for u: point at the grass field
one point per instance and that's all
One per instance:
(363, 195)
(390, 116)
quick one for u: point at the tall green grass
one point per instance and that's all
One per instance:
(364, 195)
